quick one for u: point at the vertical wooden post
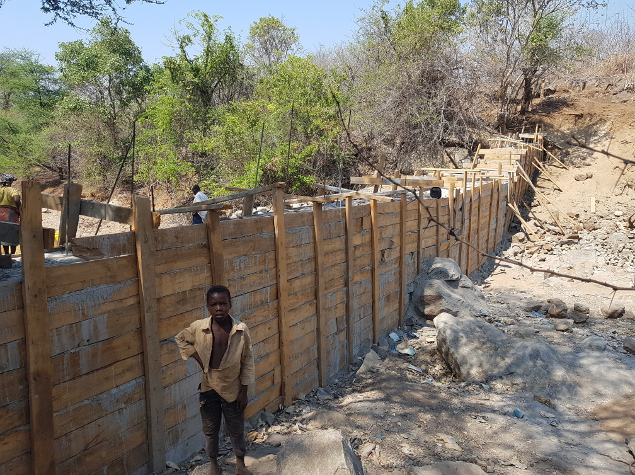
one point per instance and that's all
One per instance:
(464, 219)
(215, 242)
(500, 168)
(283, 290)
(438, 225)
(479, 240)
(350, 272)
(155, 404)
(248, 205)
(380, 170)
(320, 291)
(71, 203)
(419, 230)
(396, 174)
(488, 244)
(37, 326)
(471, 221)
(499, 225)
(450, 217)
(375, 263)
(402, 258)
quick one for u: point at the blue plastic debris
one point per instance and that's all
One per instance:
(518, 413)
(380, 436)
(485, 314)
(537, 314)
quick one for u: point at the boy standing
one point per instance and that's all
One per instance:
(198, 217)
(222, 348)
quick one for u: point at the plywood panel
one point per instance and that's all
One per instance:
(180, 236)
(169, 260)
(251, 245)
(184, 279)
(237, 228)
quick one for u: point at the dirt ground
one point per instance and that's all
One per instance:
(398, 418)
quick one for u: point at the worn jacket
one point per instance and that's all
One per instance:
(237, 366)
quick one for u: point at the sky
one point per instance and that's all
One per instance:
(318, 22)
(321, 22)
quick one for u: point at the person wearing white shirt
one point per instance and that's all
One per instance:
(198, 217)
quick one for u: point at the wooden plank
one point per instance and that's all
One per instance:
(100, 247)
(409, 181)
(201, 205)
(155, 405)
(217, 259)
(283, 291)
(376, 252)
(39, 367)
(320, 292)
(69, 218)
(402, 260)
(179, 236)
(107, 212)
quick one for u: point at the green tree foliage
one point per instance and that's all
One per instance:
(403, 80)
(68, 10)
(270, 41)
(106, 79)
(189, 93)
(29, 91)
(296, 106)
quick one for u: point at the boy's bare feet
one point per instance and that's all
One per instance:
(214, 468)
(241, 469)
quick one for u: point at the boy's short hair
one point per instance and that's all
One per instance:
(196, 188)
(218, 289)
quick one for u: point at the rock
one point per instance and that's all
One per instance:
(630, 442)
(578, 227)
(578, 317)
(366, 449)
(563, 325)
(432, 296)
(172, 465)
(533, 305)
(580, 177)
(594, 343)
(629, 345)
(443, 268)
(618, 213)
(557, 308)
(545, 400)
(589, 175)
(319, 452)
(323, 418)
(477, 351)
(323, 394)
(590, 224)
(615, 311)
(275, 440)
(581, 307)
(371, 360)
(267, 417)
(449, 468)
(548, 246)
(519, 238)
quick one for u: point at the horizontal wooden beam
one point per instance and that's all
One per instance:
(93, 209)
(301, 199)
(410, 181)
(197, 207)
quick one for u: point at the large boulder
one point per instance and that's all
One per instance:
(477, 351)
(319, 452)
(440, 287)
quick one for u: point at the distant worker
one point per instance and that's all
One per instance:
(198, 217)
(9, 208)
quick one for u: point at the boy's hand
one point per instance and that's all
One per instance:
(241, 402)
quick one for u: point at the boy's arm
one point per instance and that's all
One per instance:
(247, 373)
(185, 340)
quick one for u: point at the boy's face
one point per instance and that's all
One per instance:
(218, 306)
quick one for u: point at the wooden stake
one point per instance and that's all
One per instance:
(320, 292)
(248, 205)
(538, 193)
(215, 243)
(283, 293)
(396, 174)
(375, 262)
(475, 160)
(450, 216)
(380, 170)
(523, 223)
(37, 325)
(69, 218)
(546, 173)
(350, 274)
(402, 258)
(488, 243)
(155, 404)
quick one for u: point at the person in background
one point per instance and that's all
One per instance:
(222, 348)
(198, 217)
(9, 207)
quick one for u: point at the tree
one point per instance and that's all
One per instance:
(68, 10)
(517, 42)
(29, 91)
(106, 78)
(269, 41)
(189, 93)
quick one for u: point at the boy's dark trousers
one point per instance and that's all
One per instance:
(212, 406)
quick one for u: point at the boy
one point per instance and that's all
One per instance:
(222, 348)
(198, 217)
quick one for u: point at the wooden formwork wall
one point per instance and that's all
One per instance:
(313, 287)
